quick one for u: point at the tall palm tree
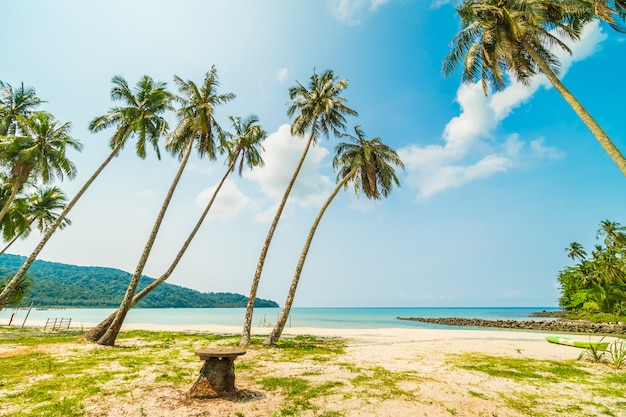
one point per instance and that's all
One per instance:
(369, 165)
(319, 109)
(42, 208)
(13, 103)
(38, 153)
(242, 150)
(141, 117)
(518, 36)
(197, 126)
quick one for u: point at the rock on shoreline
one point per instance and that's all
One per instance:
(569, 326)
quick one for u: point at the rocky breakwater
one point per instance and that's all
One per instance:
(568, 326)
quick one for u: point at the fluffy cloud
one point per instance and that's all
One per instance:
(352, 12)
(469, 151)
(281, 155)
(229, 203)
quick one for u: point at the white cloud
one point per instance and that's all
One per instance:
(281, 155)
(282, 74)
(229, 203)
(469, 151)
(352, 12)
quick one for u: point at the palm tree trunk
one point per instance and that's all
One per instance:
(24, 268)
(284, 314)
(108, 339)
(584, 115)
(247, 325)
(98, 331)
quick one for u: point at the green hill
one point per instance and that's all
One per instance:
(61, 285)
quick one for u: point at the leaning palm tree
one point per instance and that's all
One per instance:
(319, 109)
(614, 235)
(38, 153)
(576, 251)
(369, 165)
(517, 37)
(41, 209)
(141, 117)
(197, 127)
(242, 148)
(13, 103)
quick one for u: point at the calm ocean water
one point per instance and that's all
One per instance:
(348, 318)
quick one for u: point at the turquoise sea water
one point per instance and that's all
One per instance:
(338, 318)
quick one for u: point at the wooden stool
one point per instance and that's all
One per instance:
(217, 376)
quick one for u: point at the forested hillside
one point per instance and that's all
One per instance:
(61, 285)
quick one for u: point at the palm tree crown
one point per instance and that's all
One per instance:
(319, 108)
(497, 36)
(243, 144)
(196, 115)
(373, 161)
(13, 103)
(142, 115)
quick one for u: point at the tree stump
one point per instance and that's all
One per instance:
(217, 376)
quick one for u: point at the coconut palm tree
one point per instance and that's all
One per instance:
(614, 235)
(13, 103)
(42, 208)
(141, 117)
(242, 150)
(197, 127)
(19, 292)
(369, 165)
(319, 109)
(517, 37)
(38, 153)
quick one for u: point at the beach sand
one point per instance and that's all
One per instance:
(427, 367)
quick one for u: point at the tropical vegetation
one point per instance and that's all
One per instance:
(596, 284)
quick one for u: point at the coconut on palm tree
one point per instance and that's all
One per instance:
(197, 128)
(518, 37)
(141, 117)
(320, 110)
(242, 150)
(369, 166)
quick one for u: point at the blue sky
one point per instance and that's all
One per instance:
(494, 188)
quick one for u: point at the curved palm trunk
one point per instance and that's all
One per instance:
(284, 314)
(584, 115)
(247, 325)
(98, 331)
(108, 339)
(24, 268)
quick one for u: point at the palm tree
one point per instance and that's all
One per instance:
(19, 292)
(141, 117)
(197, 126)
(576, 251)
(38, 153)
(518, 36)
(242, 150)
(42, 209)
(369, 165)
(614, 235)
(14, 103)
(321, 110)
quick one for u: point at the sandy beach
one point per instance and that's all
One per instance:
(430, 369)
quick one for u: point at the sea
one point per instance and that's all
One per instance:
(322, 317)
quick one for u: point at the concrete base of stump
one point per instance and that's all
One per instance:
(217, 376)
